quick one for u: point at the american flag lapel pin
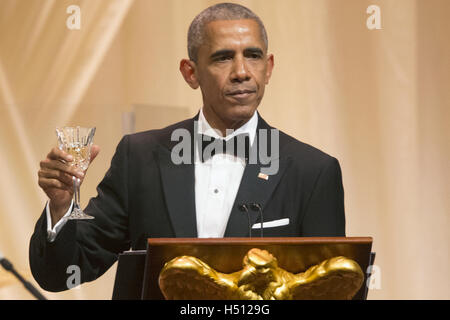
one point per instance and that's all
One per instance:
(263, 176)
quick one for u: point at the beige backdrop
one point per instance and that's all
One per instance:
(378, 100)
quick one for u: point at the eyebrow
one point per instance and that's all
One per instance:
(220, 53)
(254, 50)
(227, 52)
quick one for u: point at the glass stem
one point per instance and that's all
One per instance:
(76, 192)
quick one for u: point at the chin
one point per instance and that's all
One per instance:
(241, 112)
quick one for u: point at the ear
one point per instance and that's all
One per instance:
(270, 64)
(187, 69)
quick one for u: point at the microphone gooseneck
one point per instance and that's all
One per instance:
(244, 208)
(257, 207)
(8, 266)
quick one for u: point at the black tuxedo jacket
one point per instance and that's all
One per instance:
(145, 195)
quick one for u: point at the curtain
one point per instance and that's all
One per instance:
(377, 100)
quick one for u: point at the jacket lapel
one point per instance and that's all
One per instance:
(253, 189)
(178, 182)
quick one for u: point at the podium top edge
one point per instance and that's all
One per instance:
(259, 241)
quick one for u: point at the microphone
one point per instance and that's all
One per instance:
(244, 208)
(7, 265)
(257, 207)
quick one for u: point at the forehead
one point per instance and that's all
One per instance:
(222, 34)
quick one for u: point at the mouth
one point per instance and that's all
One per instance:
(241, 94)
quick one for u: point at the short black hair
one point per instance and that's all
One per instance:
(221, 11)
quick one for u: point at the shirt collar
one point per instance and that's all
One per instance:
(249, 127)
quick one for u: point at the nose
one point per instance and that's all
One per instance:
(240, 72)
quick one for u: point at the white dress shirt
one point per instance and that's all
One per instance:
(217, 182)
(53, 232)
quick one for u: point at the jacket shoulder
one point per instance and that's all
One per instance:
(158, 136)
(302, 152)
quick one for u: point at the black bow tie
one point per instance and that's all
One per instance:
(239, 146)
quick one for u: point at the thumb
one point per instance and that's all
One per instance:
(95, 149)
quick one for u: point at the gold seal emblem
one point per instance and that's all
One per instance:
(261, 278)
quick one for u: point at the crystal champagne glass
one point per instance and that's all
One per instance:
(77, 141)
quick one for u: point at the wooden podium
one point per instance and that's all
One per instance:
(138, 271)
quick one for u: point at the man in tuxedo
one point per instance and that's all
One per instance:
(149, 193)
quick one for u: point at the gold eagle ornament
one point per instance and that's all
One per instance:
(189, 278)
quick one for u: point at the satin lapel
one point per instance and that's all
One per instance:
(253, 189)
(179, 190)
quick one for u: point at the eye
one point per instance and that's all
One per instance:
(254, 55)
(223, 58)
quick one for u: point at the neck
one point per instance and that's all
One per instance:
(222, 125)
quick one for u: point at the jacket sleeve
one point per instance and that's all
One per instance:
(325, 214)
(90, 246)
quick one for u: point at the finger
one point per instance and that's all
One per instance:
(57, 165)
(60, 166)
(56, 174)
(46, 183)
(58, 154)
